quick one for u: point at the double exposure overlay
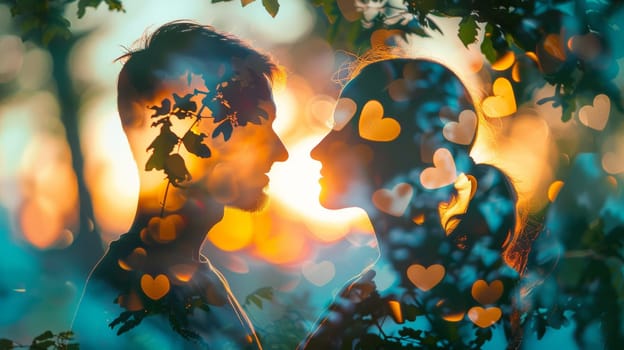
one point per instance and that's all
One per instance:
(311, 174)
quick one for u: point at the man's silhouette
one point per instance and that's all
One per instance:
(197, 108)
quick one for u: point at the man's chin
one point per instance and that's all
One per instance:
(251, 203)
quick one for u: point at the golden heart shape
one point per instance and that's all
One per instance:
(425, 278)
(162, 230)
(484, 317)
(596, 116)
(503, 103)
(394, 201)
(155, 288)
(486, 293)
(343, 112)
(443, 172)
(134, 261)
(461, 132)
(374, 126)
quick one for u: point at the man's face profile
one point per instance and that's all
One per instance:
(237, 171)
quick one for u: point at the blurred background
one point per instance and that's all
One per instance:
(58, 118)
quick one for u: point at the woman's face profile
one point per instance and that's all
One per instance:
(346, 174)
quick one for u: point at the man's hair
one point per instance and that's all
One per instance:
(181, 47)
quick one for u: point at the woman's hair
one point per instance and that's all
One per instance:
(379, 67)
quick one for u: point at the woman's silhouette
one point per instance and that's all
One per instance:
(400, 150)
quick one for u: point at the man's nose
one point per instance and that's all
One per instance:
(280, 153)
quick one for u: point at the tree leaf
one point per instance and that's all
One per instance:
(218, 110)
(468, 30)
(246, 2)
(184, 107)
(112, 5)
(175, 168)
(162, 145)
(265, 292)
(272, 6)
(43, 336)
(433, 25)
(224, 128)
(194, 144)
(487, 46)
(163, 109)
(115, 5)
(254, 299)
(83, 4)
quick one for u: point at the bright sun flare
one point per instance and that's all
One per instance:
(294, 183)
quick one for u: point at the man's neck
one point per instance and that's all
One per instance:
(178, 231)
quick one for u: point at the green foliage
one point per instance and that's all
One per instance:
(256, 296)
(113, 5)
(231, 104)
(194, 144)
(176, 310)
(44, 341)
(288, 328)
(45, 21)
(468, 30)
(272, 6)
(519, 26)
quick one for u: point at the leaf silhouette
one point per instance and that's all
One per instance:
(271, 6)
(43, 336)
(468, 30)
(245, 101)
(112, 5)
(194, 144)
(175, 168)
(254, 299)
(265, 292)
(164, 109)
(183, 106)
(219, 111)
(224, 128)
(162, 145)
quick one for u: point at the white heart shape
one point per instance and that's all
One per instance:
(597, 115)
(319, 274)
(461, 132)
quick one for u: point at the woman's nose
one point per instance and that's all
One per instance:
(314, 153)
